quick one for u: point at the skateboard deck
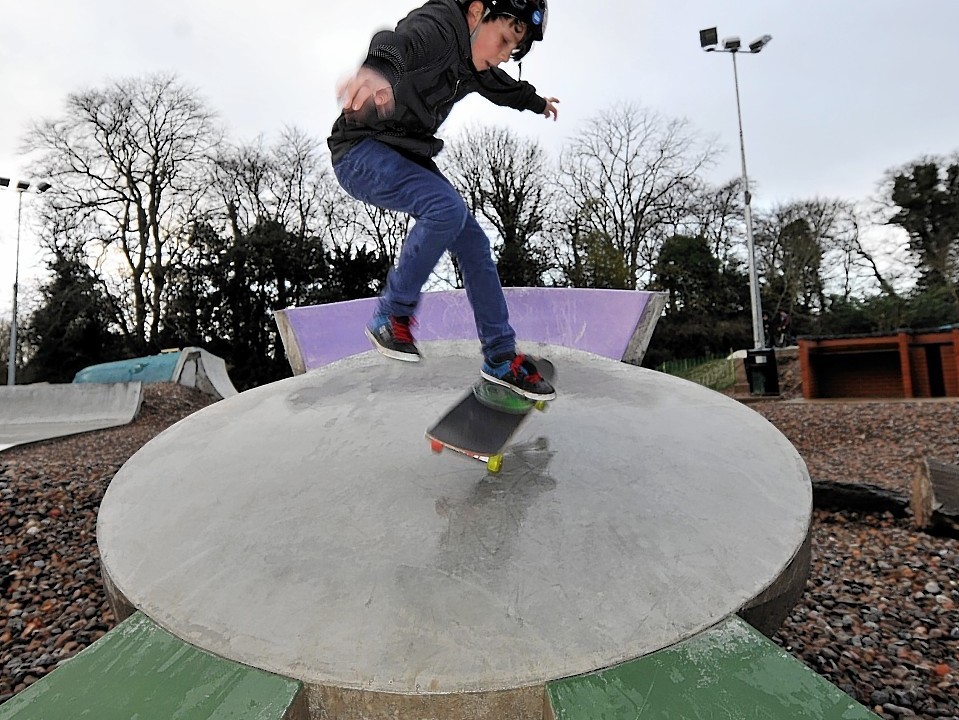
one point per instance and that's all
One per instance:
(483, 421)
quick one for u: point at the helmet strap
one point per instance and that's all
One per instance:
(475, 33)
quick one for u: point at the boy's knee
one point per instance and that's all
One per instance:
(448, 214)
(472, 245)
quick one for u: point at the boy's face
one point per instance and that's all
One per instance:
(496, 41)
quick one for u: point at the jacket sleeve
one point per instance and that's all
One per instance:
(416, 43)
(499, 88)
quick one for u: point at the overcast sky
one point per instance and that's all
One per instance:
(845, 90)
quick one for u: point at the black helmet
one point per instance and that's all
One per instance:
(533, 13)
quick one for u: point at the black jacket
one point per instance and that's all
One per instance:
(427, 60)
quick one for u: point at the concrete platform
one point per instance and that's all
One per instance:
(306, 529)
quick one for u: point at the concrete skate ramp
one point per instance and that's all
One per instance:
(29, 413)
(613, 323)
(206, 372)
(305, 528)
(192, 366)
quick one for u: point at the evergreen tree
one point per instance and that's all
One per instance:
(927, 198)
(71, 328)
(227, 292)
(689, 272)
(708, 308)
(353, 273)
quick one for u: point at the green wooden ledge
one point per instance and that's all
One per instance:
(729, 671)
(139, 670)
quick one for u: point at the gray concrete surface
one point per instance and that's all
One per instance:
(30, 413)
(305, 527)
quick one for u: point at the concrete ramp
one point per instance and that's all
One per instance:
(29, 413)
(205, 372)
(192, 366)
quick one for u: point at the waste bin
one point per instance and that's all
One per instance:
(761, 372)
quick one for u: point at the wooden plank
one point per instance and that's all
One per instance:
(729, 671)
(139, 670)
(934, 495)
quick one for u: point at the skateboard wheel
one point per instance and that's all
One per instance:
(541, 405)
(436, 446)
(495, 463)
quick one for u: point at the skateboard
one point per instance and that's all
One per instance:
(482, 422)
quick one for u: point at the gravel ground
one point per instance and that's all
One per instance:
(879, 443)
(53, 603)
(879, 618)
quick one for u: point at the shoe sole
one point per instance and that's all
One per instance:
(394, 354)
(519, 391)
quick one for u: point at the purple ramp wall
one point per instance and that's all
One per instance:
(612, 323)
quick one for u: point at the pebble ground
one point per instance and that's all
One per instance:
(879, 618)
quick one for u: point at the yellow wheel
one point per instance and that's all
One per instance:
(495, 463)
(541, 405)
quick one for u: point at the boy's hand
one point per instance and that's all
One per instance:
(551, 108)
(356, 92)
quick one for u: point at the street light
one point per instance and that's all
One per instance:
(21, 187)
(709, 41)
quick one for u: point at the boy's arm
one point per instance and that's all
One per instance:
(392, 54)
(500, 88)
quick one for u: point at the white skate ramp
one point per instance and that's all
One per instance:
(204, 371)
(29, 413)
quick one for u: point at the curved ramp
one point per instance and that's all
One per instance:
(305, 528)
(29, 413)
(613, 323)
(192, 366)
(205, 372)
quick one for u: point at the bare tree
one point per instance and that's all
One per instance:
(879, 251)
(626, 179)
(286, 183)
(130, 161)
(716, 213)
(351, 224)
(362, 236)
(506, 180)
(809, 250)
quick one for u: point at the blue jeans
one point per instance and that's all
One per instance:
(376, 174)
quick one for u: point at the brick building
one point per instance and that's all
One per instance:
(907, 364)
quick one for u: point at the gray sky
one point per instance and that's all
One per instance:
(845, 91)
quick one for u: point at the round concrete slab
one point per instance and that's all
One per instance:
(305, 527)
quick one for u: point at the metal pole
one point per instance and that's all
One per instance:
(12, 359)
(759, 334)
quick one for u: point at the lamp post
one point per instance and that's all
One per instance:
(21, 187)
(709, 41)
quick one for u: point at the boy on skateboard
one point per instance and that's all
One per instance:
(382, 148)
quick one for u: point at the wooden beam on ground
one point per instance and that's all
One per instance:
(934, 496)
